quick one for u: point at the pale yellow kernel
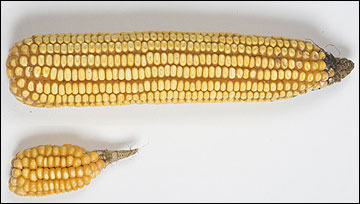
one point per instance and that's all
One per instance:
(267, 74)
(103, 60)
(281, 74)
(82, 88)
(295, 86)
(47, 88)
(288, 74)
(67, 74)
(154, 86)
(322, 65)
(33, 60)
(310, 77)
(77, 60)
(307, 66)
(277, 51)
(19, 71)
(21, 83)
(270, 51)
(68, 88)
(23, 61)
(41, 60)
(318, 76)
(293, 43)
(284, 63)
(309, 46)
(246, 61)
(299, 64)
(314, 55)
(322, 55)
(292, 52)
(314, 66)
(54, 88)
(28, 71)
(39, 87)
(302, 76)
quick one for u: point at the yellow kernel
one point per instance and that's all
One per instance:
(16, 172)
(32, 164)
(322, 65)
(32, 176)
(60, 161)
(307, 66)
(77, 162)
(318, 76)
(23, 61)
(25, 162)
(253, 74)
(20, 83)
(20, 181)
(79, 171)
(19, 71)
(85, 159)
(50, 161)
(100, 164)
(25, 173)
(310, 77)
(267, 74)
(302, 76)
(94, 156)
(64, 173)
(69, 160)
(72, 172)
(78, 153)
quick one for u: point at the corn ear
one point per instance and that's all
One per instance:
(51, 169)
(96, 69)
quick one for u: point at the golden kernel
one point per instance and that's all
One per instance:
(77, 162)
(25, 162)
(100, 164)
(85, 159)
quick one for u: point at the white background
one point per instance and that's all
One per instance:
(304, 149)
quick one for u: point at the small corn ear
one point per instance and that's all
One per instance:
(51, 169)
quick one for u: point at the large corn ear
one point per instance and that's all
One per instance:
(96, 69)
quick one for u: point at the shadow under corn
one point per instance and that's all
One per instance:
(145, 20)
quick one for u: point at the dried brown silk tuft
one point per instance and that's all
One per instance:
(341, 67)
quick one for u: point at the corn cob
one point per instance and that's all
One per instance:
(50, 169)
(96, 69)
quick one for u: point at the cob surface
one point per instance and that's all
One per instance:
(49, 169)
(96, 69)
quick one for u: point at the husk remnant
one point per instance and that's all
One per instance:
(110, 156)
(341, 66)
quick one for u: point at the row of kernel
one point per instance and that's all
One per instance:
(167, 84)
(260, 86)
(192, 73)
(57, 173)
(180, 85)
(164, 59)
(54, 161)
(104, 99)
(154, 36)
(131, 46)
(82, 74)
(123, 87)
(51, 150)
(173, 71)
(47, 187)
